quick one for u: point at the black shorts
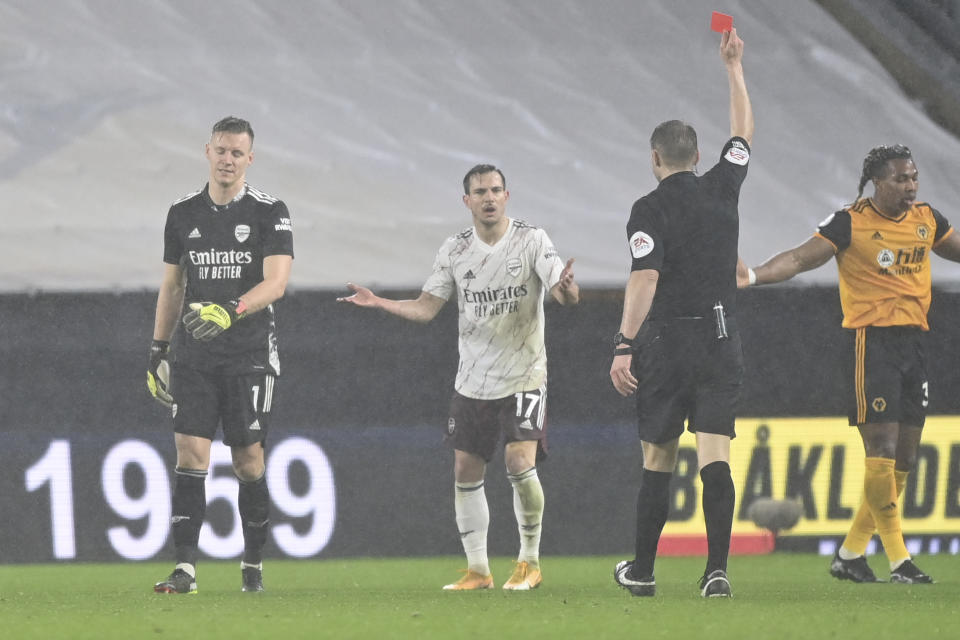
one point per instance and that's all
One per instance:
(889, 375)
(475, 426)
(203, 401)
(686, 374)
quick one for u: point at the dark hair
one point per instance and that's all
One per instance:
(478, 170)
(233, 124)
(676, 142)
(875, 164)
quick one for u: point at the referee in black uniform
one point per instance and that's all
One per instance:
(227, 254)
(678, 348)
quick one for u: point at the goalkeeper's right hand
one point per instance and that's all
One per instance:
(158, 373)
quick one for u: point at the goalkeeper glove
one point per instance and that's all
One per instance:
(158, 373)
(206, 320)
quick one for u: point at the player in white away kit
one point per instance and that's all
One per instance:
(500, 269)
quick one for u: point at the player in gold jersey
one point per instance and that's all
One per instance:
(882, 246)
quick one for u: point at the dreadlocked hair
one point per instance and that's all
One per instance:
(875, 163)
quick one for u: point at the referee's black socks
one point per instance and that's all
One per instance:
(653, 505)
(718, 501)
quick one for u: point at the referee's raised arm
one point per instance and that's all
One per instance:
(741, 113)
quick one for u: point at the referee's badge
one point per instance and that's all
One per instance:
(641, 244)
(451, 426)
(242, 232)
(737, 153)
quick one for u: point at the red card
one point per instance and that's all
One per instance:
(721, 22)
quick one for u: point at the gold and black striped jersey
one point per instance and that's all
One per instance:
(884, 263)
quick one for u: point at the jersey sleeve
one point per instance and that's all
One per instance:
(836, 229)
(441, 282)
(731, 170)
(546, 261)
(645, 237)
(943, 226)
(172, 242)
(277, 231)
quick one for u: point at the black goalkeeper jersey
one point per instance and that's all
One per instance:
(221, 248)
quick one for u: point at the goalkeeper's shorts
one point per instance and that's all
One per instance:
(241, 403)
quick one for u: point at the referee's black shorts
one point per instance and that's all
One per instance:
(686, 374)
(889, 375)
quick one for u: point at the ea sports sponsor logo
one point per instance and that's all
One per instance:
(641, 244)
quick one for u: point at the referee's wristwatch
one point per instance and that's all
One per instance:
(620, 339)
(622, 346)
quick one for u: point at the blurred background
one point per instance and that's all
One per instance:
(367, 114)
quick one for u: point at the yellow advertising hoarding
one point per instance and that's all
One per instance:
(819, 462)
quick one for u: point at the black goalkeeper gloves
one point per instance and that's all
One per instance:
(158, 373)
(206, 320)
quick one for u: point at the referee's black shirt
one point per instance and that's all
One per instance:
(687, 229)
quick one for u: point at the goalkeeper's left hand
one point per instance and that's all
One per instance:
(206, 320)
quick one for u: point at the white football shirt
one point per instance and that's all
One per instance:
(500, 290)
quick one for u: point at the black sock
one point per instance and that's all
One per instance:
(653, 504)
(189, 507)
(254, 504)
(718, 500)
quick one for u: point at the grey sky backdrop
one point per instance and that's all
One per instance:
(368, 113)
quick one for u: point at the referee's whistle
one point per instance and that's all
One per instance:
(720, 321)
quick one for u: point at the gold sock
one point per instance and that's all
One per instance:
(863, 525)
(880, 494)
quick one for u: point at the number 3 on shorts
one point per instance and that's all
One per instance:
(530, 407)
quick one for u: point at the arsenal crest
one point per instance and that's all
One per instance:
(242, 232)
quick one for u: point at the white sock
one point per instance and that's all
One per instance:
(189, 568)
(528, 507)
(473, 520)
(846, 554)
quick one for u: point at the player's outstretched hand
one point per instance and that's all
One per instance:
(158, 372)
(743, 274)
(731, 47)
(206, 320)
(362, 297)
(566, 276)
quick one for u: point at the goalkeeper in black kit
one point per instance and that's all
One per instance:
(228, 250)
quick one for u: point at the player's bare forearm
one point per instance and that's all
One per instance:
(276, 275)
(422, 310)
(169, 302)
(783, 266)
(948, 247)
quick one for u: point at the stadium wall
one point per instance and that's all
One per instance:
(357, 462)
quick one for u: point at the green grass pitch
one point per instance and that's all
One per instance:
(780, 596)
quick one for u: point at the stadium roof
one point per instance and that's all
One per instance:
(368, 114)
